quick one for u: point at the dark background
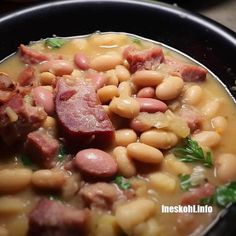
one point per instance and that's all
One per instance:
(222, 11)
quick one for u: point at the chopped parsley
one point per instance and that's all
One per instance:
(192, 152)
(61, 153)
(26, 161)
(54, 42)
(185, 182)
(122, 182)
(223, 196)
(137, 41)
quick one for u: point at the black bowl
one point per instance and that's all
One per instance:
(208, 42)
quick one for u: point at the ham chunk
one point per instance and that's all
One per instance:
(99, 195)
(148, 59)
(192, 117)
(188, 72)
(17, 119)
(52, 218)
(81, 116)
(26, 77)
(194, 196)
(6, 84)
(42, 148)
(31, 56)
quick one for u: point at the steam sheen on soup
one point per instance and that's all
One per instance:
(99, 133)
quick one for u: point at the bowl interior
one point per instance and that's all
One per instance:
(209, 43)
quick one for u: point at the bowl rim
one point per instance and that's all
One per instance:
(204, 21)
(211, 24)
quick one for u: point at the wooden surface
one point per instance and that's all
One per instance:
(222, 11)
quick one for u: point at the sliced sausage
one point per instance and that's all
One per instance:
(26, 77)
(96, 163)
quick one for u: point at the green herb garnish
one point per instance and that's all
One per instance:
(61, 153)
(54, 42)
(122, 183)
(192, 152)
(223, 196)
(137, 41)
(26, 161)
(185, 182)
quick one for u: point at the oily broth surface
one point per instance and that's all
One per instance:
(17, 225)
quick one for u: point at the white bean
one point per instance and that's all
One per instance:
(13, 180)
(125, 164)
(193, 95)
(207, 138)
(170, 88)
(219, 124)
(133, 213)
(48, 179)
(226, 167)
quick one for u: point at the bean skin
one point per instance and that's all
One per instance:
(151, 105)
(207, 138)
(96, 163)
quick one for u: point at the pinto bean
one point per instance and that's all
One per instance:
(146, 78)
(57, 67)
(207, 138)
(96, 163)
(133, 213)
(47, 78)
(147, 92)
(125, 164)
(159, 139)
(226, 167)
(81, 61)
(48, 179)
(124, 137)
(151, 105)
(13, 180)
(126, 107)
(106, 62)
(106, 93)
(144, 153)
(43, 97)
(170, 88)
